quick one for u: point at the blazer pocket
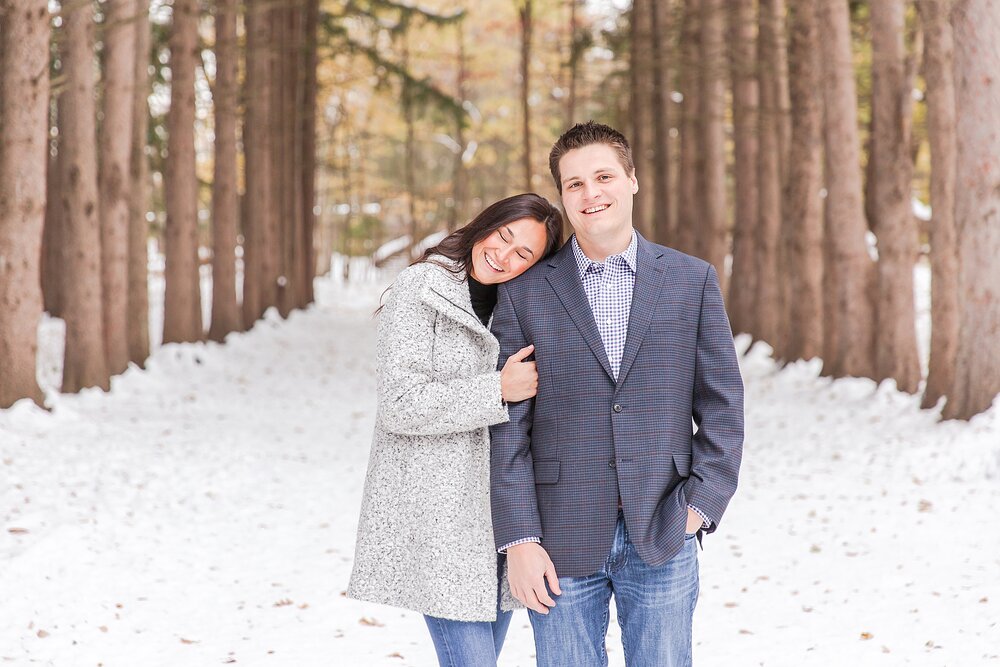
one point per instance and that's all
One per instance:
(546, 472)
(683, 464)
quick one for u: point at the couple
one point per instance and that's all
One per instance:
(557, 482)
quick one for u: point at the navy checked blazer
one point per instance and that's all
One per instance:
(559, 466)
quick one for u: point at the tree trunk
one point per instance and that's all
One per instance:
(85, 362)
(225, 198)
(140, 195)
(662, 29)
(641, 113)
(24, 121)
(849, 266)
(940, 84)
(182, 301)
(459, 176)
(778, 12)
(768, 285)
(53, 245)
(113, 177)
(525, 12)
(896, 339)
(743, 65)
(574, 64)
(976, 25)
(309, 149)
(712, 233)
(688, 209)
(802, 225)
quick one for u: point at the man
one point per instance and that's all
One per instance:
(600, 484)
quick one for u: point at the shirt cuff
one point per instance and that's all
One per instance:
(706, 523)
(525, 540)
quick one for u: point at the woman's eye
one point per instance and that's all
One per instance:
(522, 257)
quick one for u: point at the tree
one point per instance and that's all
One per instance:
(802, 225)
(113, 176)
(768, 284)
(182, 300)
(24, 120)
(896, 341)
(139, 195)
(850, 274)
(85, 362)
(743, 65)
(712, 237)
(662, 41)
(642, 116)
(225, 198)
(525, 13)
(688, 177)
(976, 27)
(938, 74)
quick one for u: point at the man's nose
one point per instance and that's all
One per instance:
(589, 190)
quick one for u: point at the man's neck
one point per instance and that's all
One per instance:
(599, 249)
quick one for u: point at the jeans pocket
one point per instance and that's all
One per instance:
(689, 536)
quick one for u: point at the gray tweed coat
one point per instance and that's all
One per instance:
(425, 537)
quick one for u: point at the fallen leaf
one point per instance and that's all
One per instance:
(867, 635)
(103, 628)
(17, 531)
(730, 605)
(42, 634)
(395, 655)
(885, 649)
(283, 603)
(371, 622)
(983, 600)
(815, 549)
(745, 632)
(188, 641)
(924, 506)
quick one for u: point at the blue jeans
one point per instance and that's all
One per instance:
(469, 643)
(655, 606)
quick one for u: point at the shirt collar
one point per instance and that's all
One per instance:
(583, 262)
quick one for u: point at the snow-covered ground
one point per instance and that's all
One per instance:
(203, 512)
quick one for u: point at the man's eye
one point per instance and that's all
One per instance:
(573, 185)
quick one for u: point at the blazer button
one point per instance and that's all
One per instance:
(617, 408)
(611, 464)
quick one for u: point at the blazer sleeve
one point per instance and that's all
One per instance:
(410, 400)
(717, 409)
(512, 475)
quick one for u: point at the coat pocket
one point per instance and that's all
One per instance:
(546, 471)
(683, 464)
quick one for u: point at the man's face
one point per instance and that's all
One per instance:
(596, 191)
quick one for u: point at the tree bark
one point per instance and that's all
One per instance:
(713, 244)
(140, 195)
(802, 225)
(939, 73)
(976, 26)
(768, 304)
(85, 362)
(24, 120)
(308, 114)
(746, 100)
(688, 208)
(660, 180)
(182, 301)
(113, 177)
(225, 197)
(850, 268)
(641, 113)
(896, 339)
(53, 245)
(525, 12)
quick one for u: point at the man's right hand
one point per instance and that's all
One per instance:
(528, 567)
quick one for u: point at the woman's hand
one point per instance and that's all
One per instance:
(519, 379)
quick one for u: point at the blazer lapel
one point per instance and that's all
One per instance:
(565, 280)
(650, 277)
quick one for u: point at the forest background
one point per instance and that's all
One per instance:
(800, 146)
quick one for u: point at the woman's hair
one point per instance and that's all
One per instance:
(457, 246)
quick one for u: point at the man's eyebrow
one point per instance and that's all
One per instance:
(596, 171)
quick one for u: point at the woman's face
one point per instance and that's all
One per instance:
(508, 252)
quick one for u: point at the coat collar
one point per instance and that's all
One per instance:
(650, 277)
(448, 294)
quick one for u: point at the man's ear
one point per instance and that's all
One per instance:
(635, 182)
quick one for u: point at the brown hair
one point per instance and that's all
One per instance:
(457, 246)
(585, 134)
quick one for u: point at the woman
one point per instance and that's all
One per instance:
(425, 537)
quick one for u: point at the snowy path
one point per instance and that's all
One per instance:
(203, 513)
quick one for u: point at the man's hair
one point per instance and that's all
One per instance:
(585, 134)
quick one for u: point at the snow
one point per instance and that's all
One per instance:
(203, 512)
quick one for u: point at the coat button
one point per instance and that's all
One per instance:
(617, 408)
(611, 464)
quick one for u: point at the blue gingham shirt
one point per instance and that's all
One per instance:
(609, 286)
